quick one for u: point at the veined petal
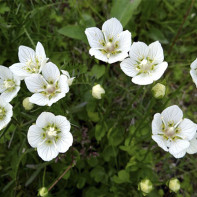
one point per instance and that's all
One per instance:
(142, 79)
(172, 113)
(63, 84)
(39, 99)
(19, 70)
(5, 73)
(64, 142)
(40, 52)
(193, 145)
(160, 141)
(47, 151)
(178, 146)
(56, 98)
(34, 136)
(51, 72)
(124, 41)
(194, 64)
(62, 123)
(95, 37)
(35, 83)
(187, 129)
(44, 119)
(157, 124)
(180, 155)
(193, 74)
(98, 54)
(138, 51)
(9, 95)
(111, 28)
(117, 57)
(159, 70)
(156, 52)
(128, 67)
(25, 54)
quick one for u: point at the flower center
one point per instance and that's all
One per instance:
(9, 84)
(110, 47)
(33, 66)
(50, 89)
(170, 131)
(51, 132)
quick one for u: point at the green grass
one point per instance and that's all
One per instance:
(113, 149)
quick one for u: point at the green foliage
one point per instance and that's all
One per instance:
(113, 149)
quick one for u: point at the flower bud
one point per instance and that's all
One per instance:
(27, 105)
(43, 191)
(174, 185)
(97, 91)
(69, 79)
(159, 91)
(145, 186)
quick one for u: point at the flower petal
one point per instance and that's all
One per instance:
(142, 79)
(5, 73)
(194, 64)
(44, 119)
(157, 124)
(159, 70)
(63, 84)
(160, 141)
(193, 145)
(9, 95)
(98, 54)
(25, 54)
(95, 37)
(111, 28)
(172, 113)
(62, 123)
(156, 52)
(40, 52)
(19, 70)
(193, 74)
(124, 41)
(117, 57)
(56, 98)
(180, 155)
(128, 67)
(39, 99)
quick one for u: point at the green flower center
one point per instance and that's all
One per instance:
(145, 65)
(32, 66)
(9, 84)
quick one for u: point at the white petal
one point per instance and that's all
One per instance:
(63, 84)
(138, 51)
(5, 73)
(56, 98)
(172, 113)
(47, 152)
(35, 83)
(98, 54)
(142, 79)
(51, 72)
(159, 70)
(40, 52)
(157, 124)
(34, 136)
(117, 57)
(19, 70)
(193, 74)
(178, 146)
(44, 119)
(188, 129)
(62, 123)
(64, 72)
(95, 37)
(124, 41)
(128, 67)
(160, 141)
(64, 142)
(111, 28)
(39, 99)
(194, 64)
(180, 155)
(193, 145)
(25, 54)
(156, 52)
(9, 95)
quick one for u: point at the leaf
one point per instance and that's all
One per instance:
(115, 137)
(156, 34)
(32, 177)
(100, 131)
(123, 10)
(98, 71)
(73, 31)
(123, 177)
(98, 174)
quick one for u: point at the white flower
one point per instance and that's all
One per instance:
(145, 63)
(171, 132)
(111, 44)
(69, 79)
(193, 145)
(5, 113)
(50, 135)
(49, 87)
(193, 71)
(9, 84)
(97, 91)
(31, 61)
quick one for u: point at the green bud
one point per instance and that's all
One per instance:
(27, 105)
(174, 185)
(159, 91)
(145, 186)
(43, 191)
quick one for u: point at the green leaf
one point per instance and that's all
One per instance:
(73, 31)
(115, 137)
(98, 174)
(123, 177)
(156, 34)
(123, 10)
(98, 71)
(100, 131)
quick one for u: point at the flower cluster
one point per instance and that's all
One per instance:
(145, 65)
(51, 134)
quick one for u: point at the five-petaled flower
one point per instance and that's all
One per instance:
(49, 87)
(145, 64)
(31, 61)
(173, 133)
(111, 44)
(5, 113)
(50, 135)
(9, 84)
(193, 71)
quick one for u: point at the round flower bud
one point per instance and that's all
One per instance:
(43, 191)
(145, 186)
(27, 105)
(174, 185)
(159, 91)
(97, 91)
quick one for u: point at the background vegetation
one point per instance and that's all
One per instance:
(112, 149)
